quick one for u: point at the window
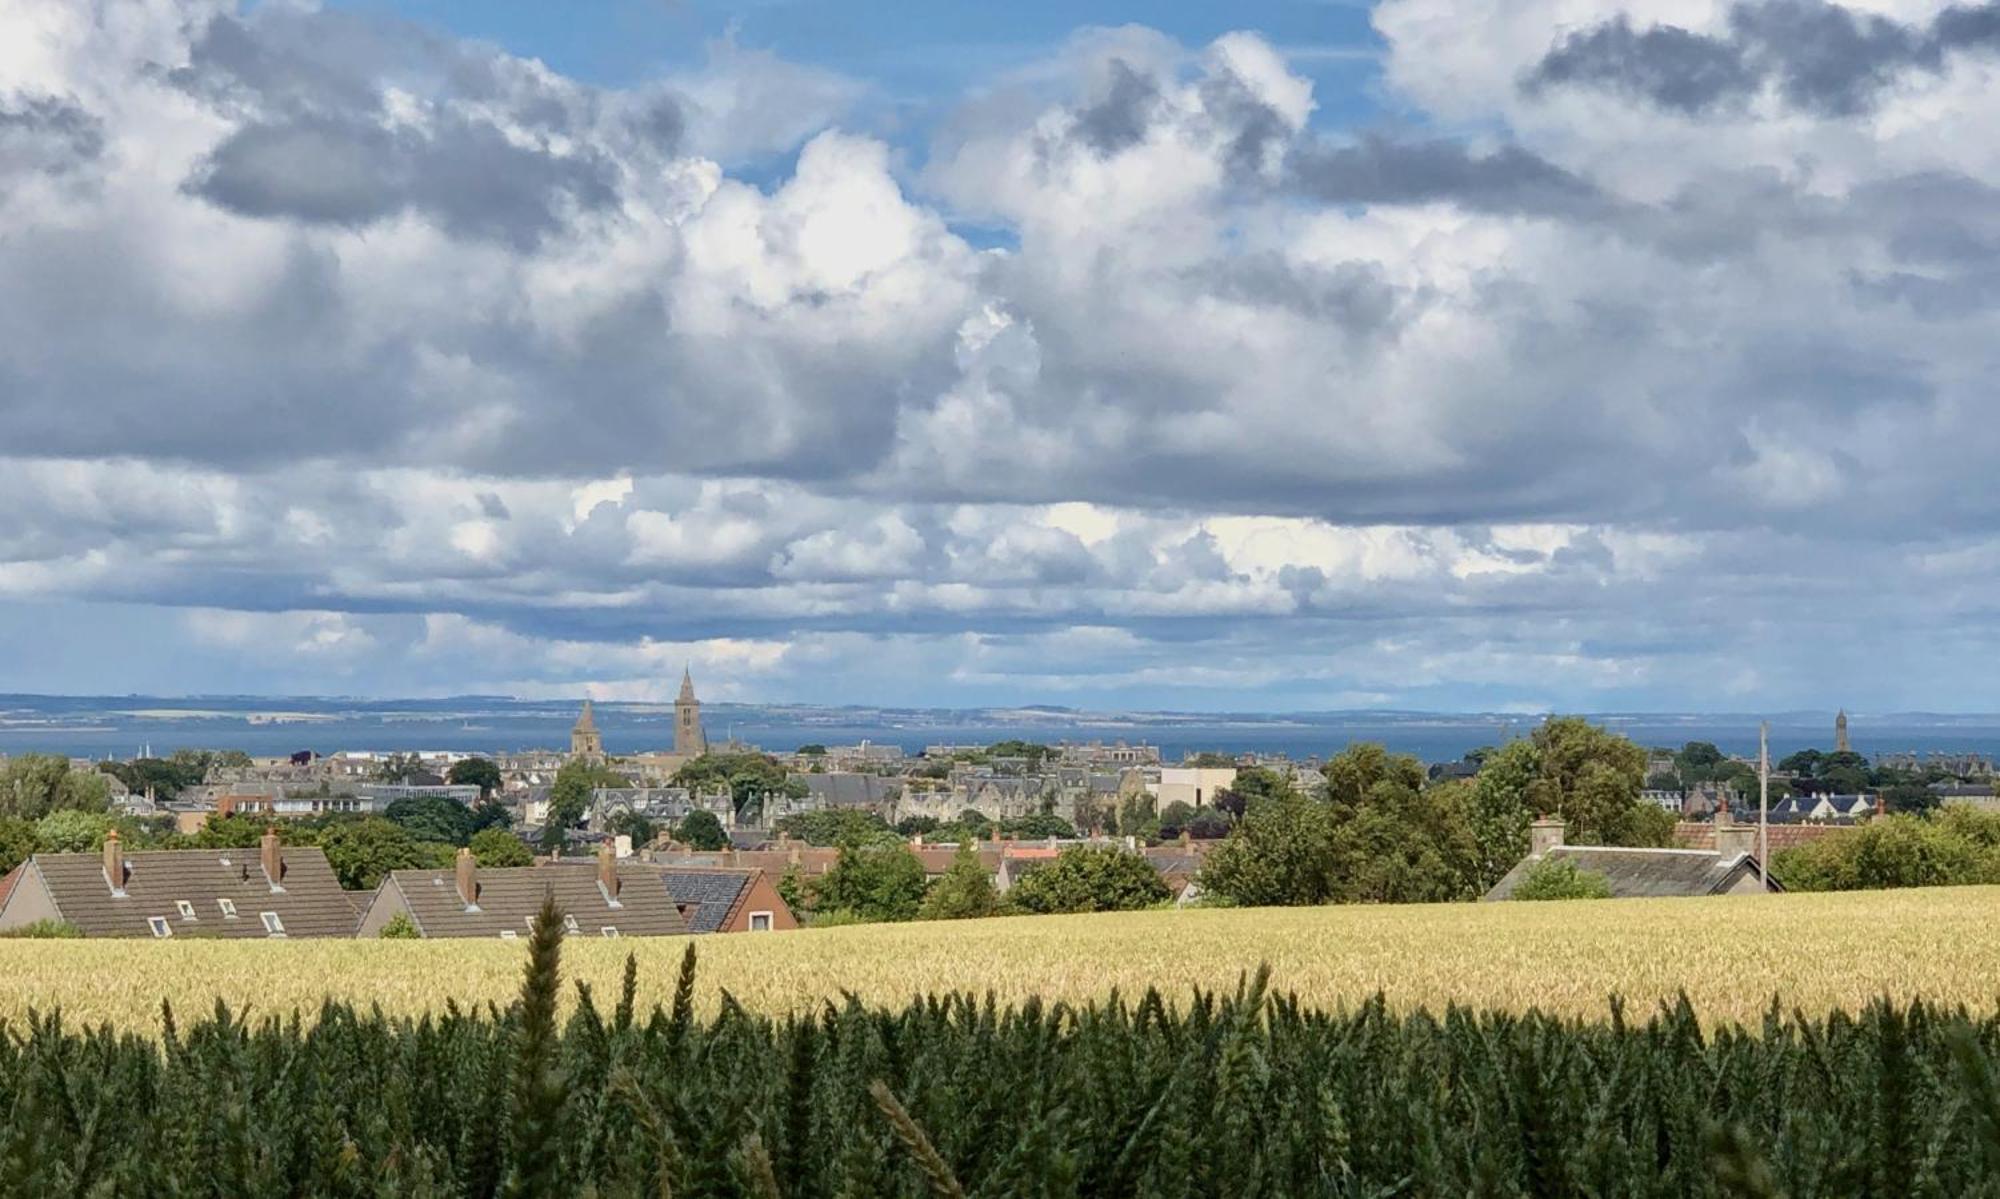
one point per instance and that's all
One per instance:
(569, 924)
(159, 926)
(508, 934)
(272, 924)
(608, 931)
(228, 907)
(186, 909)
(760, 922)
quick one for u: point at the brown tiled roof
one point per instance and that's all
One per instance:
(1694, 834)
(311, 903)
(508, 897)
(7, 882)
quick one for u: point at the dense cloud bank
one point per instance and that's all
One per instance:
(1647, 361)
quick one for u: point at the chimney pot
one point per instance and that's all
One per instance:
(468, 880)
(274, 860)
(1545, 834)
(607, 870)
(114, 863)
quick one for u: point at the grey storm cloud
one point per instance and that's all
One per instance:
(1379, 170)
(1119, 117)
(467, 174)
(46, 133)
(1821, 57)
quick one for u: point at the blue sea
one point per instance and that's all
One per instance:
(125, 726)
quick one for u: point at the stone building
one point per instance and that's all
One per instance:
(689, 739)
(584, 739)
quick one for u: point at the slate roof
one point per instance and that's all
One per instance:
(1639, 873)
(846, 789)
(509, 897)
(709, 896)
(310, 905)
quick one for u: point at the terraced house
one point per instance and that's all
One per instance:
(268, 892)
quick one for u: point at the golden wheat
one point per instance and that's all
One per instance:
(1730, 955)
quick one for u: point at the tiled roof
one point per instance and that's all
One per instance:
(707, 897)
(509, 897)
(310, 905)
(1634, 873)
(1701, 835)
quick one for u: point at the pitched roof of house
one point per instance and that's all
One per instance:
(7, 881)
(1698, 834)
(508, 898)
(1638, 873)
(310, 903)
(708, 897)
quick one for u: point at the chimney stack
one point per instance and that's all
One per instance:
(274, 860)
(468, 881)
(607, 870)
(1545, 834)
(1734, 840)
(114, 863)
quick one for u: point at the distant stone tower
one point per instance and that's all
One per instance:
(689, 740)
(584, 739)
(1840, 745)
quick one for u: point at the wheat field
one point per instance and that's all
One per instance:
(1730, 955)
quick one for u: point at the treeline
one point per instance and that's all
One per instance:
(1954, 845)
(1240, 1093)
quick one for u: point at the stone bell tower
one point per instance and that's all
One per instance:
(689, 740)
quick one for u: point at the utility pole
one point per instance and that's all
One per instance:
(1763, 804)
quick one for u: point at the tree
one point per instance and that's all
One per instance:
(17, 842)
(397, 768)
(400, 928)
(916, 826)
(632, 824)
(482, 773)
(964, 891)
(1091, 878)
(1280, 853)
(1394, 840)
(702, 830)
(1957, 845)
(810, 751)
(872, 882)
(748, 777)
(33, 785)
(1569, 768)
(1038, 826)
(1558, 878)
(70, 831)
(1697, 761)
(235, 831)
(433, 818)
(836, 826)
(576, 781)
(1210, 760)
(1174, 817)
(362, 851)
(1252, 783)
(496, 847)
(489, 813)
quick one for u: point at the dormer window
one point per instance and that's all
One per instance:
(185, 908)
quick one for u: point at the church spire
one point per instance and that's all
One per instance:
(687, 686)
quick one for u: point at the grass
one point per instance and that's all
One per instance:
(1730, 955)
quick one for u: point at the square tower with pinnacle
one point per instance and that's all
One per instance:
(689, 740)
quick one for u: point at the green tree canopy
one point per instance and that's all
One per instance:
(1090, 878)
(1569, 768)
(701, 829)
(1559, 878)
(632, 824)
(17, 842)
(71, 831)
(33, 785)
(748, 777)
(362, 851)
(1038, 826)
(496, 847)
(836, 826)
(398, 768)
(964, 891)
(433, 818)
(576, 780)
(482, 773)
(871, 882)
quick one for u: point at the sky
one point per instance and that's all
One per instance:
(1559, 354)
